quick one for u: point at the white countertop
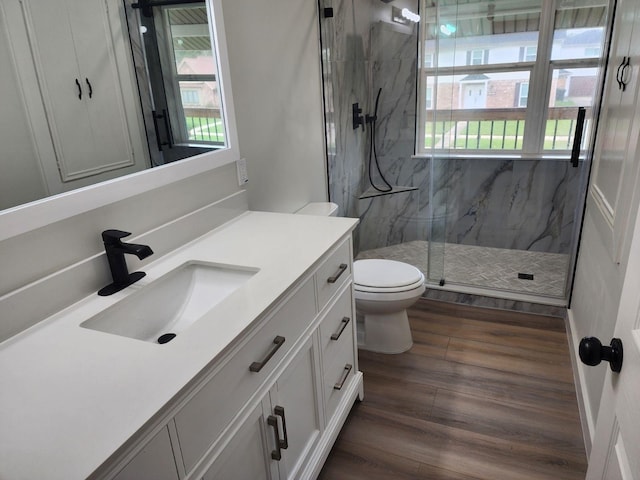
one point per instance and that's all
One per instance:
(70, 396)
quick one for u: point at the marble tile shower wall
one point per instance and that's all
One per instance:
(515, 204)
(519, 204)
(345, 45)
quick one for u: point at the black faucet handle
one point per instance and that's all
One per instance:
(112, 237)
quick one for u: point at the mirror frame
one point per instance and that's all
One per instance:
(20, 219)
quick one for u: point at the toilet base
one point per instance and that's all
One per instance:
(387, 333)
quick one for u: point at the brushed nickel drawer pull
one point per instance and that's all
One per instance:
(341, 269)
(343, 324)
(257, 366)
(345, 375)
(272, 421)
(279, 411)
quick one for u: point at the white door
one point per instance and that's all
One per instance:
(474, 95)
(615, 454)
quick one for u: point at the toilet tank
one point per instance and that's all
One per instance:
(325, 209)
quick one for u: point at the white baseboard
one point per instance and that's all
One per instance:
(584, 405)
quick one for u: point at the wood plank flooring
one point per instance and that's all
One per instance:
(482, 395)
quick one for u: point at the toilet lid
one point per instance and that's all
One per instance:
(379, 273)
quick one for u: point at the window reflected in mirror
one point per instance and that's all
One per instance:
(186, 102)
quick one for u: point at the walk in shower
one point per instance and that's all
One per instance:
(484, 127)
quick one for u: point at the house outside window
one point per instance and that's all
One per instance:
(504, 49)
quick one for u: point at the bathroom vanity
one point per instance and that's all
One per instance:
(256, 385)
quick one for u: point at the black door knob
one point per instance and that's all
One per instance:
(592, 352)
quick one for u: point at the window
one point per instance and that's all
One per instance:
(496, 81)
(190, 97)
(592, 52)
(190, 74)
(528, 54)
(477, 57)
(428, 60)
(523, 93)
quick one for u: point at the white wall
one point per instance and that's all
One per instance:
(21, 180)
(274, 55)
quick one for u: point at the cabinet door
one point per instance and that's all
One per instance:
(87, 91)
(295, 402)
(155, 461)
(615, 163)
(247, 455)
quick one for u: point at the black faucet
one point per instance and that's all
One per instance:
(115, 255)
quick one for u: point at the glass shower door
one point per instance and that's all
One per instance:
(502, 87)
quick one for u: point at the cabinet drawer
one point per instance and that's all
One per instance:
(332, 274)
(339, 371)
(337, 324)
(337, 351)
(204, 417)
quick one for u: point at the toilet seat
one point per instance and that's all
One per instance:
(385, 276)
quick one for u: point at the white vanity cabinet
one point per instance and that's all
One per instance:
(272, 408)
(154, 461)
(278, 435)
(74, 63)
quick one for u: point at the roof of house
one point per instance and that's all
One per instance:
(202, 65)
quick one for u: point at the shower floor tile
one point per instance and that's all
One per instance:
(485, 267)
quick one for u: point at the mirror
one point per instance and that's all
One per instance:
(98, 90)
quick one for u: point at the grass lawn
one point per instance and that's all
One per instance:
(205, 129)
(498, 134)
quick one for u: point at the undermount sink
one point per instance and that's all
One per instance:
(167, 306)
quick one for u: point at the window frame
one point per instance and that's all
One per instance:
(539, 85)
(175, 100)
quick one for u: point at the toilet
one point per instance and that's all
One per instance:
(383, 290)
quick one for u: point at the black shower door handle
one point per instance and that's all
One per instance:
(577, 138)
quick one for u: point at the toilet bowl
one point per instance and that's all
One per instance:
(383, 290)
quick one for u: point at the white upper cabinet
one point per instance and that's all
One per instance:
(92, 118)
(80, 60)
(615, 165)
